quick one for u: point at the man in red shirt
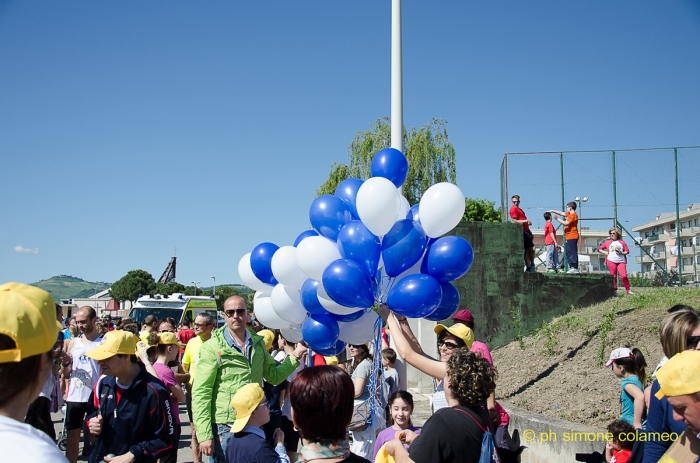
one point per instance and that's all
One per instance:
(517, 215)
(185, 334)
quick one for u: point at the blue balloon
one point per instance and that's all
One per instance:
(320, 331)
(328, 214)
(415, 296)
(335, 350)
(309, 298)
(391, 164)
(304, 234)
(403, 246)
(348, 284)
(448, 258)
(347, 191)
(261, 262)
(448, 305)
(413, 213)
(348, 318)
(356, 242)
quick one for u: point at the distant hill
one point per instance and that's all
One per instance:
(66, 287)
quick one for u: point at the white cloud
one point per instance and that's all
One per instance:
(22, 250)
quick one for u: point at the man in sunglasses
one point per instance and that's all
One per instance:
(233, 357)
(517, 215)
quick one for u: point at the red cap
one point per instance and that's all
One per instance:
(464, 316)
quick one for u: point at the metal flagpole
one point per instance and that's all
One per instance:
(397, 129)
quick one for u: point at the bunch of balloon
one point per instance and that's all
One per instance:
(367, 246)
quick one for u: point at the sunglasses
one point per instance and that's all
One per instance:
(448, 345)
(692, 342)
(516, 202)
(233, 313)
(166, 331)
(357, 346)
(201, 325)
(264, 403)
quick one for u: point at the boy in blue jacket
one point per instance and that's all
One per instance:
(128, 410)
(248, 444)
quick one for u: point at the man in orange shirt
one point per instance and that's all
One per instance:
(570, 223)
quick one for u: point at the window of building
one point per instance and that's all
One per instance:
(673, 225)
(696, 222)
(687, 261)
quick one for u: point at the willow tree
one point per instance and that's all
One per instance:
(431, 157)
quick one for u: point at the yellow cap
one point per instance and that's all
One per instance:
(168, 338)
(680, 375)
(331, 360)
(113, 343)
(28, 317)
(268, 336)
(245, 401)
(460, 330)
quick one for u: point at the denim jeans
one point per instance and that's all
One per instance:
(572, 253)
(222, 434)
(552, 257)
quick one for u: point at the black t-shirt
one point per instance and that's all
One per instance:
(450, 436)
(355, 459)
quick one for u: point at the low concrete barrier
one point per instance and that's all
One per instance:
(551, 440)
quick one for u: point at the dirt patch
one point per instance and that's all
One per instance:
(558, 372)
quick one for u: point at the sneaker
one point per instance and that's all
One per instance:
(551, 270)
(571, 270)
(630, 293)
(615, 294)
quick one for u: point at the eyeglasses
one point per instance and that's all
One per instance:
(201, 325)
(233, 313)
(264, 403)
(692, 342)
(516, 202)
(166, 331)
(613, 233)
(357, 346)
(448, 345)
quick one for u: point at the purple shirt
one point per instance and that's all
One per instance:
(167, 377)
(386, 435)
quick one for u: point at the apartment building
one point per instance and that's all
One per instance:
(659, 239)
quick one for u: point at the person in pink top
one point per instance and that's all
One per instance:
(616, 252)
(168, 350)
(498, 414)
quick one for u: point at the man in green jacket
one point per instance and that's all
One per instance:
(232, 358)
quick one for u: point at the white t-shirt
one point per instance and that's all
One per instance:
(22, 442)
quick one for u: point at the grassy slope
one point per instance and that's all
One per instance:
(559, 371)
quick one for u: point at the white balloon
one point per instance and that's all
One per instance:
(405, 207)
(378, 204)
(286, 302)
(285, 267)
(266, 314)
(441, 209)
(248, 277)
(360, 331)
(332, 306)
(314, 254)
(292, 334)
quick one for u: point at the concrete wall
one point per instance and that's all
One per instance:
(496, 289)
(550, 440)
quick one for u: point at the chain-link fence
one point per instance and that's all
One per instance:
(653, 195)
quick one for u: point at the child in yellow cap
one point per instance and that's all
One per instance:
(248, 444)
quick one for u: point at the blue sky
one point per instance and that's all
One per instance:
(130, 128)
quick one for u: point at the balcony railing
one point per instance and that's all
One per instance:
(643, 259)
(656, 238)
(690, 231)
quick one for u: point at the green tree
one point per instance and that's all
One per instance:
(170, 288)
(224, 292)
(481, 210)
(135, 282)
(431, 157)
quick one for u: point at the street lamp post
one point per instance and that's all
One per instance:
(579, 200)
(214, 278)
(195, 283)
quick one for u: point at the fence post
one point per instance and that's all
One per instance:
(563, 208)
(614, 172)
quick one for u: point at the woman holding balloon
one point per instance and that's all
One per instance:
(361, 371)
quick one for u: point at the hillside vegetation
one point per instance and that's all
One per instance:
(66, 287)
(559, 370)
